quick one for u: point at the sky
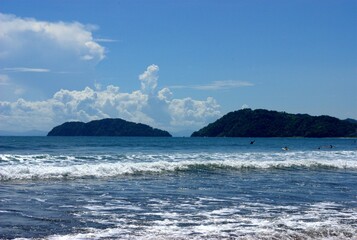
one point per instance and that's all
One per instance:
(175, 65)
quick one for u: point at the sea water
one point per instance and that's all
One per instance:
(177, 188)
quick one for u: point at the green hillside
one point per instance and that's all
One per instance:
(107, 127)
(265, 123)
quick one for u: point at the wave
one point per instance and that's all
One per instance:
(24, 167)
(177, 156)
(196, 219)
(325, 220)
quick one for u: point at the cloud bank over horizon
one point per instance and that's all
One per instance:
(149, 105)
(30, 46)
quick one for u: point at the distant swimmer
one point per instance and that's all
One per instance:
(285, 148)
(252, 142)
(326, 146)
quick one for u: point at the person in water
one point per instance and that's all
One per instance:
(285, 148)
(252, 142)
(329, 146)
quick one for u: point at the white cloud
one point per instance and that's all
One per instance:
(157, 108)
(24, 69)
(30, 37)
(149, 78)
(190, 112)
(217, 85)
(165, 94)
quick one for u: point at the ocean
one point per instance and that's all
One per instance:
(177, 188)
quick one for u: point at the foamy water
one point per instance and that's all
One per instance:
(245, 221)
(136, 188)
(22, 167)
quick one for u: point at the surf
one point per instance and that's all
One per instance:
(45, 166)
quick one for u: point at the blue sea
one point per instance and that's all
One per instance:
(177, 188)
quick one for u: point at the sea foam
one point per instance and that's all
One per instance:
(45, 166)
(324, 220)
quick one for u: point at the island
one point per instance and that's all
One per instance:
(265, 123)
(107, 127)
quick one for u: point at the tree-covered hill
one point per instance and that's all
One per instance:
(107, 127)
(264, 123)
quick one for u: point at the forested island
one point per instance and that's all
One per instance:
(107, 127)
(265, 123)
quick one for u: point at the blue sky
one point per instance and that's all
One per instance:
(176, 65)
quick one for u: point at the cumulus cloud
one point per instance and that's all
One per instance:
(165, 94)
(149, 78)
(190, 112)
(28, 37)
(148, 105)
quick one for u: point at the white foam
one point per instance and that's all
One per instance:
(22, 167)
(315, 221)
(40, 199)
(244, 220)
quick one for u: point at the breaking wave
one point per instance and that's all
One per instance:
(45, 166)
